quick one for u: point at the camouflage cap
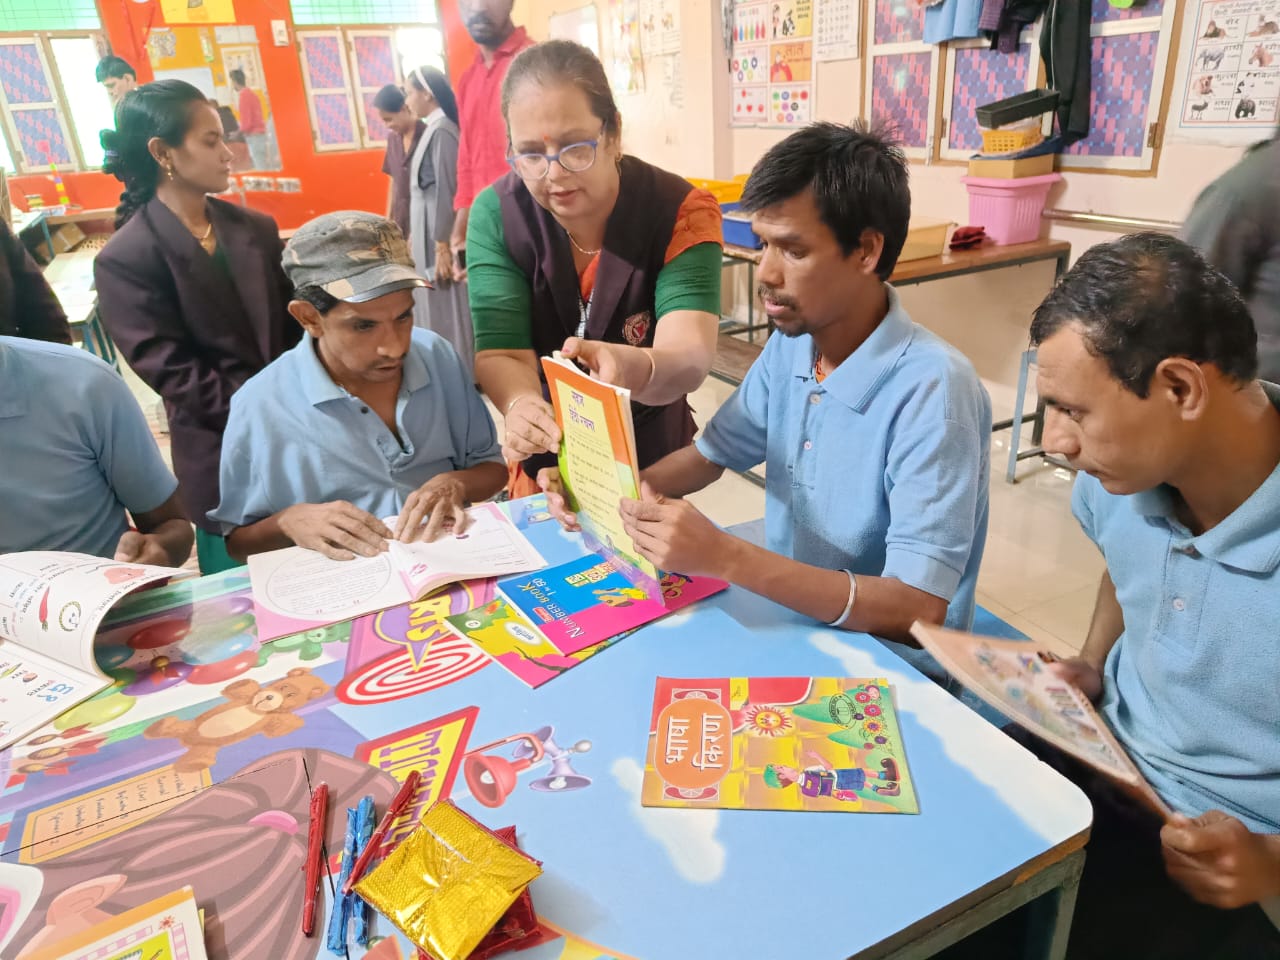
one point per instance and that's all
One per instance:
(351, 255)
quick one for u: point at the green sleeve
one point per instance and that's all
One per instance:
(500, 295)
(691, 281)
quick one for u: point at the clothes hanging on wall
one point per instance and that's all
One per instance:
(952, 20)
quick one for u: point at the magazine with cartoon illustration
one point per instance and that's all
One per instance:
(51, 604)
(830, 744)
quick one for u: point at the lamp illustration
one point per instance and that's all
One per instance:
(491, 778)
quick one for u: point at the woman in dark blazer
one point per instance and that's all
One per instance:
(191, 288)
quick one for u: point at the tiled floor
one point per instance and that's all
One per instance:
(1039, 572)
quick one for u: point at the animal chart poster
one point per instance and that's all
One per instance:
(771, 71)
(1230, 77)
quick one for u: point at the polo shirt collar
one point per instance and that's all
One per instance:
(318, 387)
(857, 380)
(14, 400)
(1249, 538)
(509, 47)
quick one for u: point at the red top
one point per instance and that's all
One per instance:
(251, 119)
(482, 133)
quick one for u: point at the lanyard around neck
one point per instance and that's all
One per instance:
(584, 308)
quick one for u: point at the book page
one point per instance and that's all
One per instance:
(35, 690)
(304, 585)
(53, 602)
(491, 546)
(167, 928)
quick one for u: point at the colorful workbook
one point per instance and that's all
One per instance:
(777, 743)
(167, 928)
(1014, 676)
(50, 606)
(546, 623)
(296, 590)
(598, 464)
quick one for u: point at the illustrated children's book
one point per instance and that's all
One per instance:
(1014, 677)
(546, 623)
(50, 606)
(777, 743)
(598, 465)
(167, 928)
(296, 590)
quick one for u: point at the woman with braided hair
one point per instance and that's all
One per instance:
(191, 288)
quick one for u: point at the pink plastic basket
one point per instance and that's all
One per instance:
(1009, 209)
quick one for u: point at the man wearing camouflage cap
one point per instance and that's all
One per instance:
(366, 417)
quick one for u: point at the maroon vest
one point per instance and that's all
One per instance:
(636, 238)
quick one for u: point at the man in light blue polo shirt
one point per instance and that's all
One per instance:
(365, 418)
(76, 454)
(874, 432)
(1147, 358)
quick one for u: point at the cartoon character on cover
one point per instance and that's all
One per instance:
(821, 779)
(252, 709)
(620, 596)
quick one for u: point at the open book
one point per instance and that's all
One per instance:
(296, 589)
(598, 465)
(50, 606)
(1014, 677)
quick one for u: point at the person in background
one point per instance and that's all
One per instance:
(252, 123)
(28, 307)
(403, 133)
(875, 433)
(433, 182)
(1147, 361)
(366, 418)
(482, 142)
(1235, 222)
(116, 77)
(583, 249)
(190, 288)
(78, 454)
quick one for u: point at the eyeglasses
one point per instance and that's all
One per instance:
(575, 158)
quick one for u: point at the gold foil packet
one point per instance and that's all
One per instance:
(448, 882)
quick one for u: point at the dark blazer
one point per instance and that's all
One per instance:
(28, 308)
(194, 337)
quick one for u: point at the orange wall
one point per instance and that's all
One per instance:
(330, 181)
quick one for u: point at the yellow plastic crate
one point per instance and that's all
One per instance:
(1007, 141)
(725, 191)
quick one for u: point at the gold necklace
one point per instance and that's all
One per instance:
(206, 239)
(586, 253)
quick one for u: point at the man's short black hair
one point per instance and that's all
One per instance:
(237, 77)
(113, 67)
(318, 297)
(1147, 297)
(858, 176)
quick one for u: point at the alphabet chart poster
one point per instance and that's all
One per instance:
(1230, 81)
(771, 71)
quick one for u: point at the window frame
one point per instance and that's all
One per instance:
(874, 51)
(25, 166)
(346, 35)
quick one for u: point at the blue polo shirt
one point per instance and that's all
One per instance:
(294, 436)
(75, 451)
(882, 468)
(1192, 687)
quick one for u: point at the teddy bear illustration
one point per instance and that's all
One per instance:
(251, 709)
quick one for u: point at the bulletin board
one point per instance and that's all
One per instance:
(1228, 85)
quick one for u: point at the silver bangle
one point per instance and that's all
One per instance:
(848, 607)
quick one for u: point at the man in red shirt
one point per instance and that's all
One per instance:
(252, 124)
(482, 141)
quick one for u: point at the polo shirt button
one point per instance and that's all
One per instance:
(808, 444)
(1179, 604)
(815, 398)
(364, 409)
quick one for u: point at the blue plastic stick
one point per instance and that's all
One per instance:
(364, 830)
(336, 937)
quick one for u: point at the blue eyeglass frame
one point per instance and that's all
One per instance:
(555, 158)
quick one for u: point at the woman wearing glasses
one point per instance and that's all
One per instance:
(433, 180)
(584, 250)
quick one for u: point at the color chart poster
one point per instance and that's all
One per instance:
(772, 67)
